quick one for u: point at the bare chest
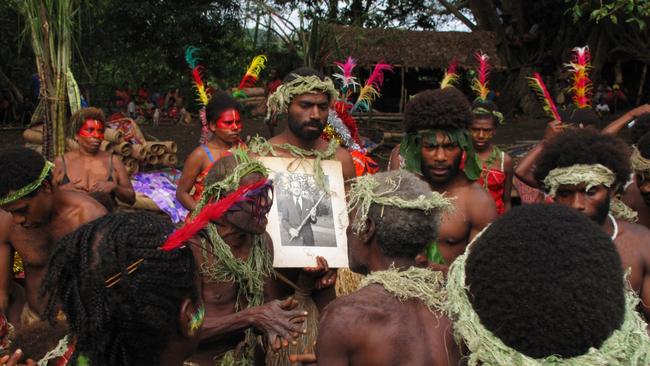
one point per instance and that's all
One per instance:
(84, 173)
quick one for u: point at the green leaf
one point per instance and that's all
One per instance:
(613, 18)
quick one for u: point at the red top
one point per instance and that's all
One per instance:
(496, 181)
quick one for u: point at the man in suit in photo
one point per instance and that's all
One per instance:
(298, 213)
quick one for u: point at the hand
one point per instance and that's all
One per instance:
(323, 276)
(293, 232)
(280, 321)
(638, 111)
(305, 358)
(103, 186)
(553, 129)
(312, 213)
(12, 360)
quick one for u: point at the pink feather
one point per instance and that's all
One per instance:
(209, 213)
(376, 78)
(347, 67)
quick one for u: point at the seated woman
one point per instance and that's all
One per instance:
(127, 300)
(222, 114)
(89, 169)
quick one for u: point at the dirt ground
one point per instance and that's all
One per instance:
(516, 133)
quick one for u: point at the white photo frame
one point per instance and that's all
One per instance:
(319, 217)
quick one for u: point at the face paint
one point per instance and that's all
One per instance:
(197, 320)
(229, 120)
(92, 128)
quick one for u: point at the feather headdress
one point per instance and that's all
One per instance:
(581, 85)
(539, 87)
(451, 75)
(372, 89)
(480, 82)
(253, 72)
(197, 70)
(349, 83)
(201, 92)
(210, 212)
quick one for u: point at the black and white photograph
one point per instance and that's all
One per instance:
(308, 218)
(305, 211)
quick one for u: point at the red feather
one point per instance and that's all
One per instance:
(209, 213)
(196, 73)
(248, 81)
(537, 83)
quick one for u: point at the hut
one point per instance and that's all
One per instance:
(419, 59)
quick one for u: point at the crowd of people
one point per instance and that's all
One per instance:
(452, 273)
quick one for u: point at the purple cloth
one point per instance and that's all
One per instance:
(160, 186)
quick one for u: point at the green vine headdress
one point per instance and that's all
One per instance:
(363, 193)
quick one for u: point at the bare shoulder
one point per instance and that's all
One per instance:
(508, 162)
(358, 307)
(476, 194)
(634, 232)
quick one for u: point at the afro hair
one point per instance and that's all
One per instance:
(79, 117)
(585, 117)
(644, 145)
(440, 109)
(20, 166)
(641, 127)
(220, 102)
(546, 280)
(585, 146)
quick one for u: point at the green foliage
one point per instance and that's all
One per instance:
(631, 11)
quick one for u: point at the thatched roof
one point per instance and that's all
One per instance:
(425, 49)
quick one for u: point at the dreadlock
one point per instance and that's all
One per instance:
(20, 166)
(79, 117)
(131, 322)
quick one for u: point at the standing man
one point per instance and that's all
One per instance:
(437, 147)
(305, 96)
(583, 169)
(395, 216)
(40, 216)
(297, 216)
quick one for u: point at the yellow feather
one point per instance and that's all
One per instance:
(256, 66)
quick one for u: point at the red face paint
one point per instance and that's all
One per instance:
(92, 128)
(229, 120)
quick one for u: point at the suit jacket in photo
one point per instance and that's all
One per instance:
(293, 215)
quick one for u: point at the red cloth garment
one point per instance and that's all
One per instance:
(495, 185)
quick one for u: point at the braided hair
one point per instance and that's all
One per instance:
(131, 322)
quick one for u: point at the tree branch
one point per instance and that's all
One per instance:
(451, 8)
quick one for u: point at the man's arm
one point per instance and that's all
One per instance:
(508, 166)
(394, 159)
(524, 170)
(6, 223)
(482, 210)
(349, 172)
(615, 127)
(333, 341)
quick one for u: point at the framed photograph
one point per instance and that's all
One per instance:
(306, 220)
